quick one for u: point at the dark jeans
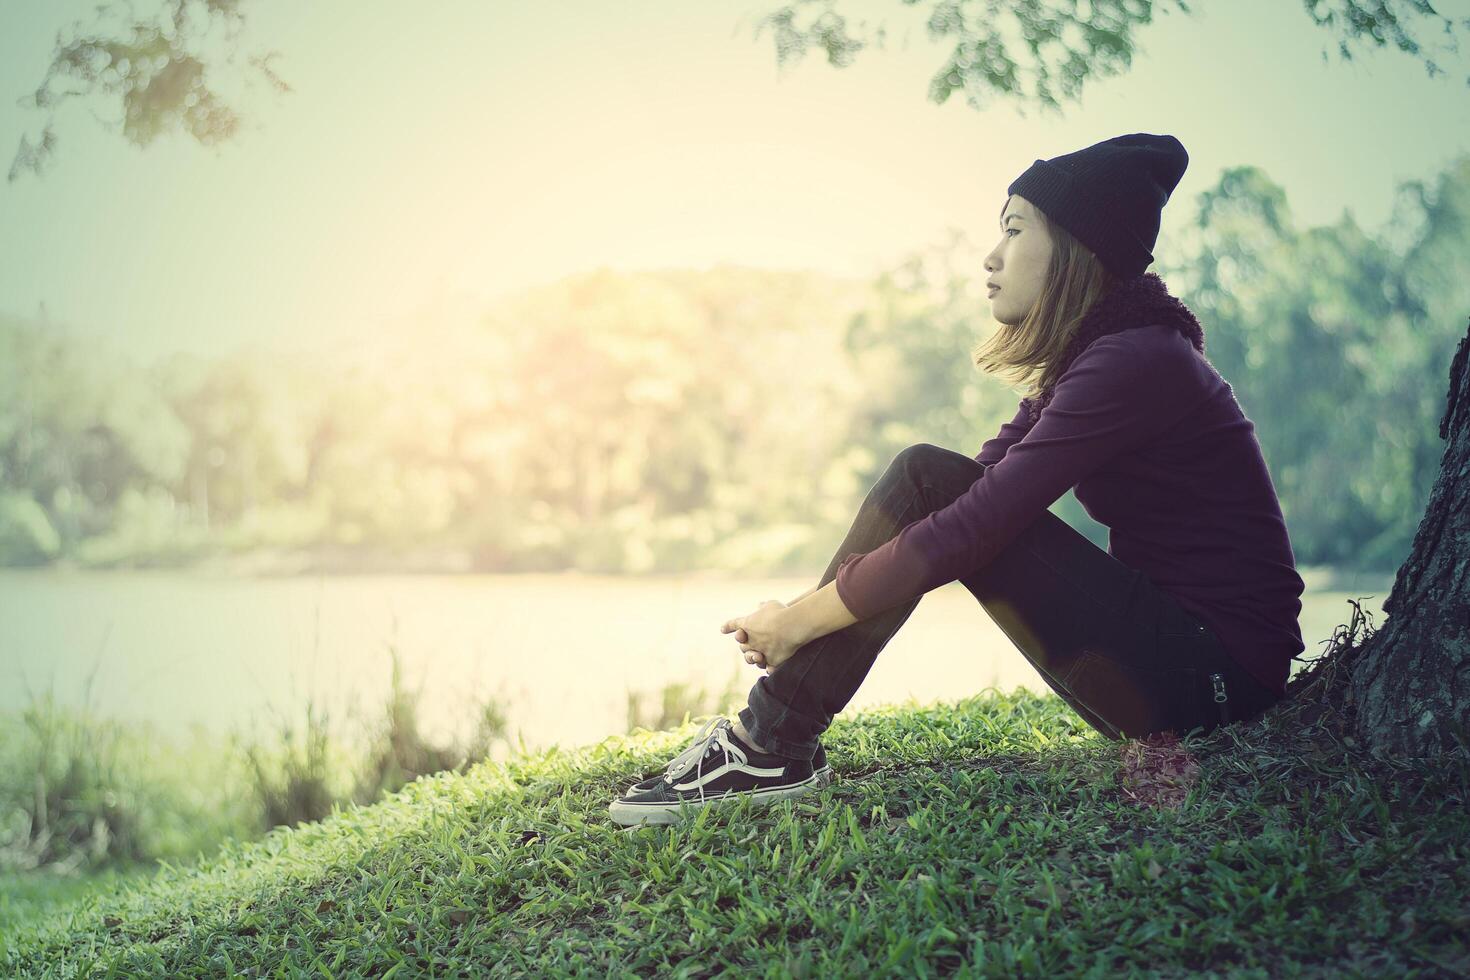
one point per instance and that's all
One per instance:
(1124, 654)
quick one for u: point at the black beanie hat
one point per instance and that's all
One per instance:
(1109, 195)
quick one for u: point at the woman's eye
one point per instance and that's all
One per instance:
(1016, 230)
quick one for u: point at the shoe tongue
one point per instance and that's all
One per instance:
(721, 730)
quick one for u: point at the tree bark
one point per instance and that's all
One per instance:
(1408, 684)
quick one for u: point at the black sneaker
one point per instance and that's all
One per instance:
(717, 767)
(820, 767)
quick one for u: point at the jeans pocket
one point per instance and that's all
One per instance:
(1177, 623)
(1138, 701)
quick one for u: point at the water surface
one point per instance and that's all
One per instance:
(184, 649)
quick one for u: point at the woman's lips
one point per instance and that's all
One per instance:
(994, 290)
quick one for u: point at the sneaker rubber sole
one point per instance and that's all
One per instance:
(631, 813)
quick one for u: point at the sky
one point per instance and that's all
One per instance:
(433, 157)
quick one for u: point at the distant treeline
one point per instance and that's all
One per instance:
(732, 418)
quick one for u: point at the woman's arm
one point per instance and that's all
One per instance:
(823, 613)
(793, 602)
(803, 595)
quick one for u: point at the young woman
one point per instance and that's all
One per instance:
(1188, 620)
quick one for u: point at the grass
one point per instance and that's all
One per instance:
(38, 895)
(993, 836)
(300, 779)
(81, 794)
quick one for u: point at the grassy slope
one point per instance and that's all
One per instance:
(994, 836)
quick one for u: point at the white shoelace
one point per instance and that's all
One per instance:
(713, 731)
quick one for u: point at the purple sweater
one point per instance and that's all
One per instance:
(1158, 450)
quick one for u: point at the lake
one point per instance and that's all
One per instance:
(238, 654)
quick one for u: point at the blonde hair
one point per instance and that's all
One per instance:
(1028, 353)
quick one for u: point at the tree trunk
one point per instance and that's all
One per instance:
(1407, 686)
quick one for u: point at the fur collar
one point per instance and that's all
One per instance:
(1135, 302)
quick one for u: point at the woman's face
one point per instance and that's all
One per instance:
(1019, 263)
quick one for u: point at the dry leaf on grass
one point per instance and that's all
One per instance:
(1157, 771)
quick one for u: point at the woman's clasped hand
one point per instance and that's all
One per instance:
(766, 637)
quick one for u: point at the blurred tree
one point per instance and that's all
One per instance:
(1328, 333)
(79, 425)
(245, 445)
(637, 415)
(617, 417)
(924, 311)
(155, 70)
(152, 68)
(1065, 42)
